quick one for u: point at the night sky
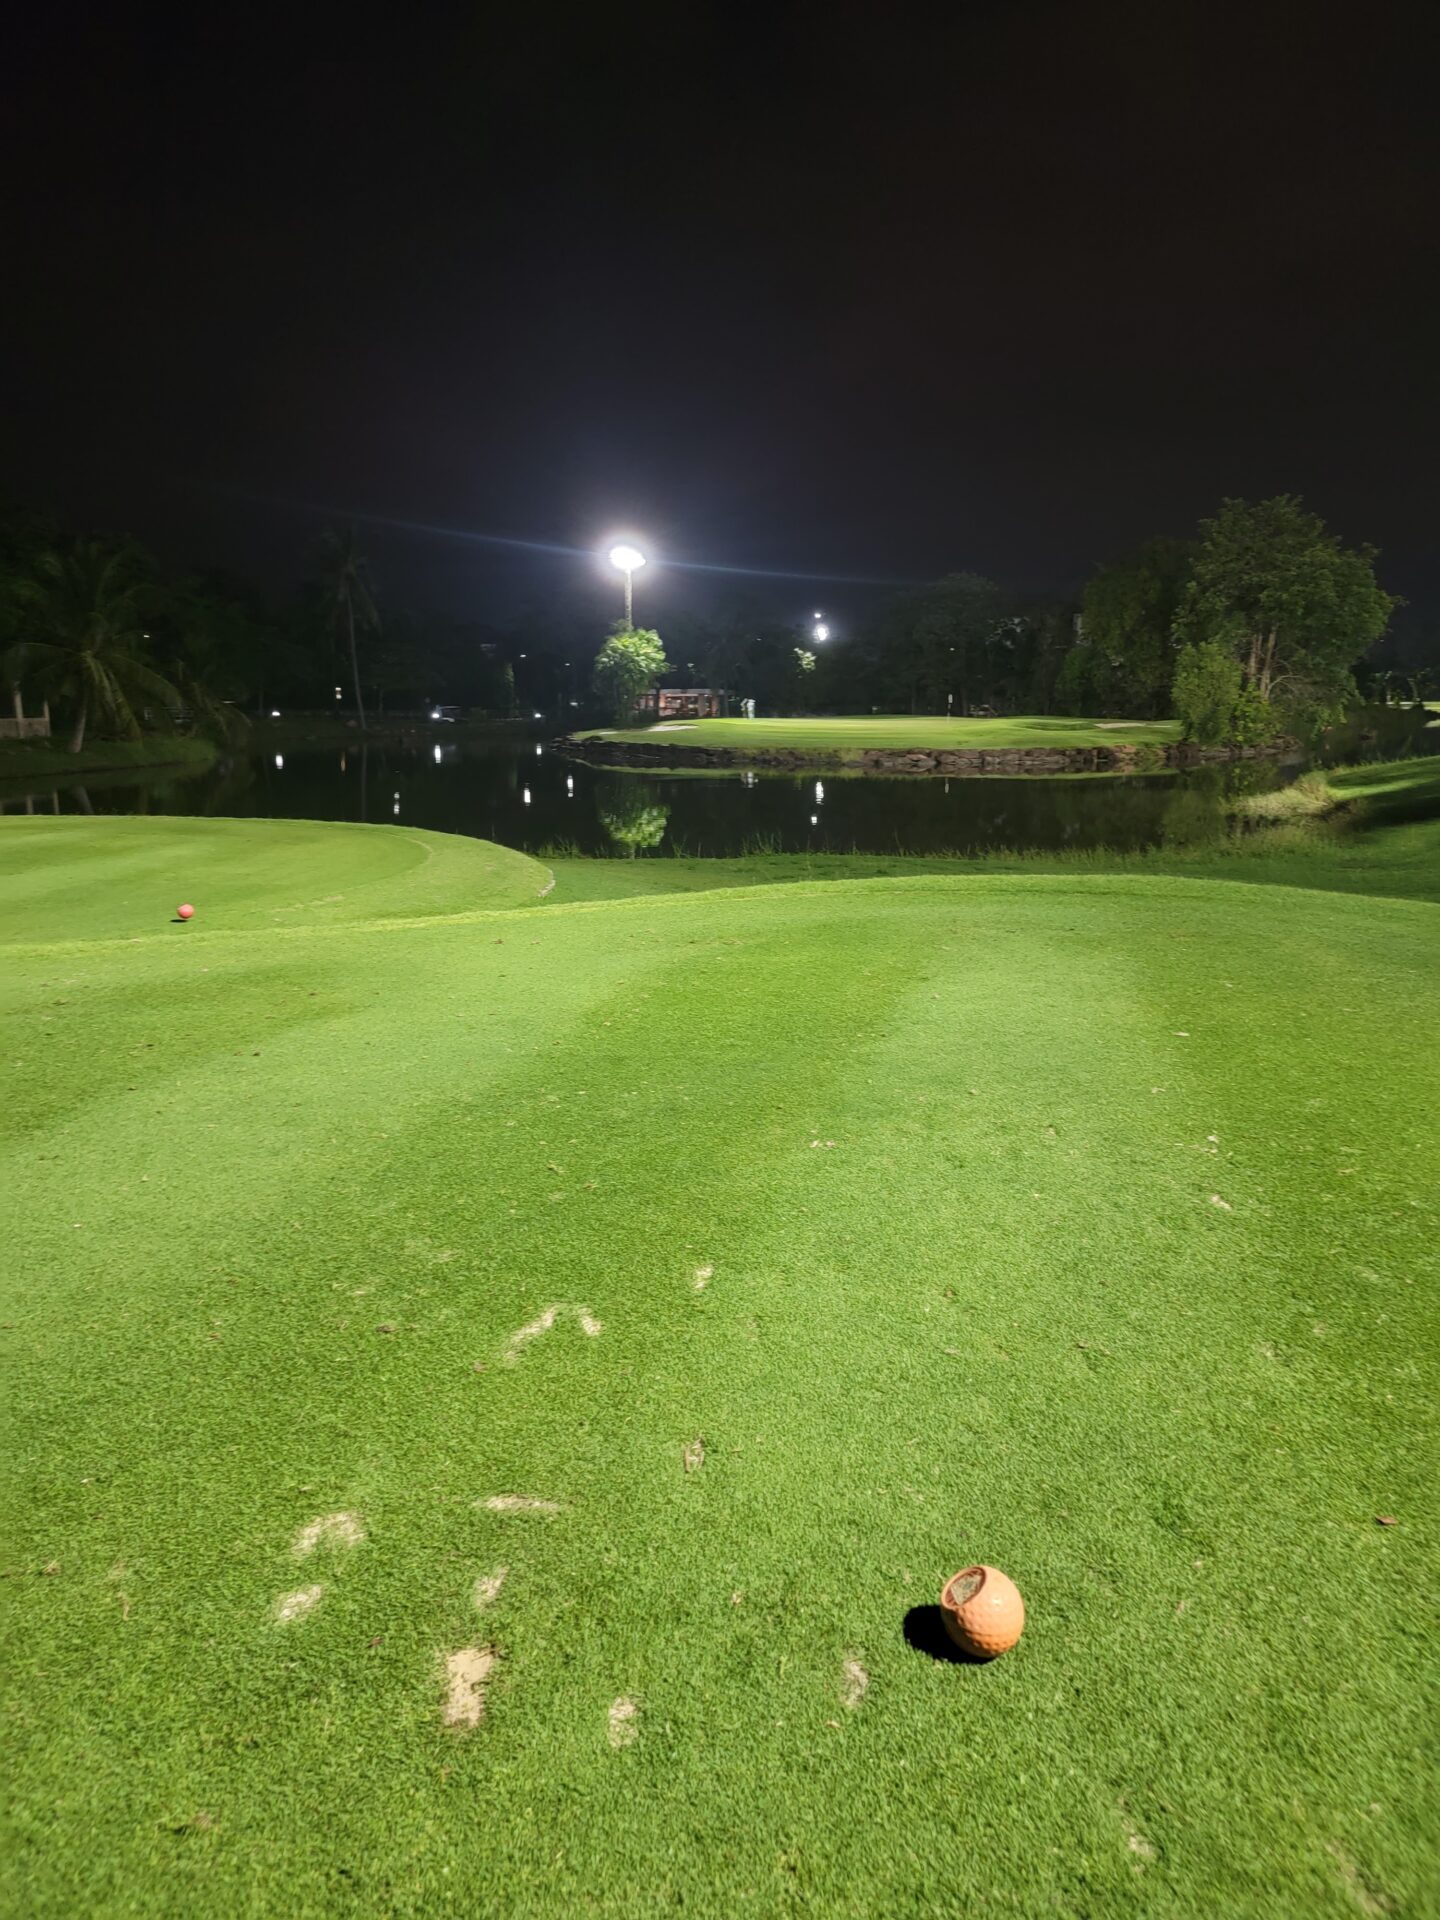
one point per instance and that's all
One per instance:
(815, 289)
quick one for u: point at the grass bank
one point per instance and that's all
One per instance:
(857, 733)
(45, 760)
(1373, 829)
(495, 1393)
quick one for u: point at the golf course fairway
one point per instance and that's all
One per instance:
(497, 1388)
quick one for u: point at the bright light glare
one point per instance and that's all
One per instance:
(434, 713)
(822, 632)
(525, 796)
(627, 559)
(437, 756)
(819, 792)
(570, 785)
(279, 759)
(814, 819)
(538, 750)
(274, 713)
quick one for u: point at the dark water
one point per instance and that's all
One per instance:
(528, 796)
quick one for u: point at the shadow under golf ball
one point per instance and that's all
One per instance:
(924, 1630)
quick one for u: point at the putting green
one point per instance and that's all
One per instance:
(1079, 1223)
(852, 733)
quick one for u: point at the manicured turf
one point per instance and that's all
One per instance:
(856, 732)
(67, 878)
(1082, 1222)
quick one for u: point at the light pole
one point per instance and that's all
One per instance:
(627, 559)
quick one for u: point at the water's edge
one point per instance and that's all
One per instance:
(946, 761)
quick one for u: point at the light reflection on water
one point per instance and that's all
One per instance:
(521, 796)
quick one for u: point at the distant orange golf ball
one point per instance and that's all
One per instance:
(187, 912)
(983, 1612)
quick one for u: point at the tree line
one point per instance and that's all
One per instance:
(1253, 628)
(99, 630)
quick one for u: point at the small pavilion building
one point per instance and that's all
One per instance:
(683, 703)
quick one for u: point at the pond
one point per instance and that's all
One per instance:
(529, 796)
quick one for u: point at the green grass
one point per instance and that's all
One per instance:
(68, 878)
(45, 759)
(1379, 833)
(855, 733)
(286, 1183)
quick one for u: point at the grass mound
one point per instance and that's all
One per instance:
(69, 878)
(495, 1402)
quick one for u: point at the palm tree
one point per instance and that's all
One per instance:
(349, 599)
(79, 613)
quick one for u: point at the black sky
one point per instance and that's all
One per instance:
(851, 289)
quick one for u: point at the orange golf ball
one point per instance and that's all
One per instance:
(983, 1612)
(187, 912)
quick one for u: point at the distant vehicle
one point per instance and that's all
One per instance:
(445, 713)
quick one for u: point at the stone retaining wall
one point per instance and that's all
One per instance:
(947, 760)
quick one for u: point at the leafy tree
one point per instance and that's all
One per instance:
(349, 602)
(950, 638)
(401, 659)
(1127, 629)
(80, 614)
(23, 538)
(631, 660)
(209, 638)
(1206, 689)
(1292, 605)
(1084, 682)
(1046, 636)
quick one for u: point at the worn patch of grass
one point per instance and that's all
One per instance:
(1308, 798)
(947, 1149)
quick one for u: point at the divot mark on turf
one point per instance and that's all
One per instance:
(620, 1723)
(536, 1327)
(543, 1322)
(486, 1590)
(694, 1455)
(857, 1684)
(1136, 1841)
(518, 1503)
(1368, 1896)
(466, 1673)
(330, 1530)
(701, 1278)
(294, 1606)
